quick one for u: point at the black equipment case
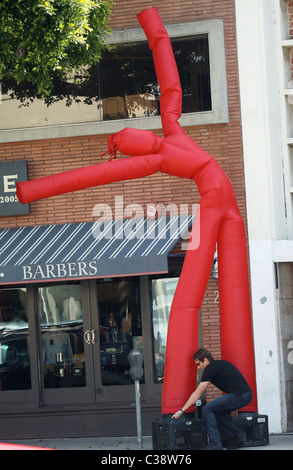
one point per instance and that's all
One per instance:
(190, 434)
(254, 427)
(178, 434)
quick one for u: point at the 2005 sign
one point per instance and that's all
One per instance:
(6, 199)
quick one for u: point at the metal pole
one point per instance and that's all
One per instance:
(138, 414)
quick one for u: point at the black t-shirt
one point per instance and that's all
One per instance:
(226, 377)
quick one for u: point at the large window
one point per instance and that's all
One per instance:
(123, 86)
(162, 293)
(129, 87)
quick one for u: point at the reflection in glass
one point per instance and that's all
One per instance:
(14, 340)
(120, 328)
(162, 293)
(129, 87)
(62, 335)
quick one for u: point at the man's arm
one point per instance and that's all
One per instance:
(192, 399)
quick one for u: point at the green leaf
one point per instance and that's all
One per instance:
(47, 40)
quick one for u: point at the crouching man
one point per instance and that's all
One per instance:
(238, 394)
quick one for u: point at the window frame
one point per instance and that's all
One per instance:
(219, 95)
(218, 80)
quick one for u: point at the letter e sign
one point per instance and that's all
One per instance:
(10, 173)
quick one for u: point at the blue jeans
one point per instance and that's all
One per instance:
(216, 412)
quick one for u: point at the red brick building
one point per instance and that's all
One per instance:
(90, 405)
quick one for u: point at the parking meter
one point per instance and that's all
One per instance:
(135, 358)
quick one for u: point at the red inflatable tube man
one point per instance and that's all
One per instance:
(220, 223)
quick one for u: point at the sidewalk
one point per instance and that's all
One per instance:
(277, 442)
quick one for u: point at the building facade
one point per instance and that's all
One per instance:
(266, 107)
(73, 303)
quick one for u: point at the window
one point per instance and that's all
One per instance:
(128, 83)
(62, 338)
(123, 88)
(162, 293)
(14, 340)
(120, 328)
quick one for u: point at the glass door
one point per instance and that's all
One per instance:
(66, 339)
(14, 340)
(18, 378)
(118, 320)
(162, 293)
(86, 331)
(67, 343)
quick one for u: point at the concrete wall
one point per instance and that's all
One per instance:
(259, 71)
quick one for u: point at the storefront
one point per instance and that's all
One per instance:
(71, 305)
(68, 327)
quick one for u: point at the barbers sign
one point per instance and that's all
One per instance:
(10, 173)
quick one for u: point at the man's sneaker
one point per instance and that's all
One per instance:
(237, 443)
(213, 447)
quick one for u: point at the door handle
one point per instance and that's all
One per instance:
(87, 336)
(93, 336)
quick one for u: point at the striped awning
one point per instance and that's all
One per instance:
(89, 250)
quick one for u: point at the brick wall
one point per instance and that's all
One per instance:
(223, 141)
(46, 157)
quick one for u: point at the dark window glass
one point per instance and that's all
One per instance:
(120, 328)
(61, 318)
(122, 85)
(129, 87)
(162, 293)
(14, 340)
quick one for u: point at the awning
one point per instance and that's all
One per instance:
(89, 250)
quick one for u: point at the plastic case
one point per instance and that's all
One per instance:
(178, 434)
